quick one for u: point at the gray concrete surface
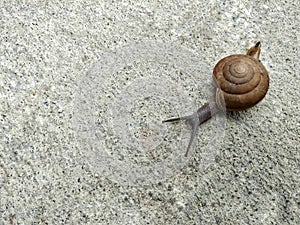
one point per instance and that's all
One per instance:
(53, 172)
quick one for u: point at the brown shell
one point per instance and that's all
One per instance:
(241, 80)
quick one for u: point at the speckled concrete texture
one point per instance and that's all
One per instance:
(46, 51)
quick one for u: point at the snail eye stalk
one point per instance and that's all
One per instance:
(194, 120)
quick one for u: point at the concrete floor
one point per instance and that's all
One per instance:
(84, 87)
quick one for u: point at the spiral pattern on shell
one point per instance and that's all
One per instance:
(241, 80)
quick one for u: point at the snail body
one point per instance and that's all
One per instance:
(241, 82)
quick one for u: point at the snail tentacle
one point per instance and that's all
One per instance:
(203, 114)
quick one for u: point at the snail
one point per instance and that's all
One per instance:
(241, 82)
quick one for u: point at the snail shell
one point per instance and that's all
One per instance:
(241, 80)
